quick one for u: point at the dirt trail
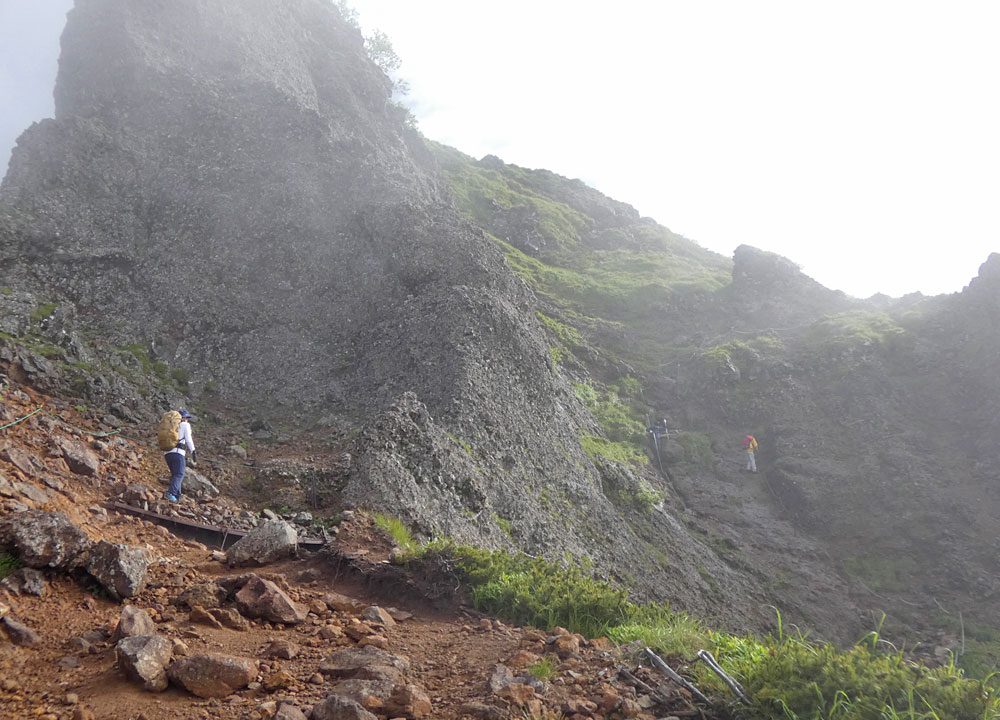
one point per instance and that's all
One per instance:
(452, 650)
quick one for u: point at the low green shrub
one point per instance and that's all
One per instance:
(788, 677)
(794, 679)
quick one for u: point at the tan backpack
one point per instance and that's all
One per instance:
(167, 435)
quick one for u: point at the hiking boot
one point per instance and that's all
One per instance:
(171, 498)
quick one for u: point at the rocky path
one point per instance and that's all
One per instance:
(170, 629)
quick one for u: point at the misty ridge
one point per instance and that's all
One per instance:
(231, 212)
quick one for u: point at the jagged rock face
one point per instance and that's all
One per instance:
(230, 183)
(236, 176)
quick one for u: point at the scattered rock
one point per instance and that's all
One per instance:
(144, 659)
(375, 614)
(501, 678)
(289, 712)
(352, 662)
(82, 712)
(230, 618)
(78, 457)
(45, 539)
(197, 485)
(32, 493)
(19, 633)
(27, 581)
(408, 701)
(277, 680)
(20, 459)
(342, 603)
(207, 595)
(339, 708)
(566, 645)
(180, 648)
(283, 649)
(200, 616)
(481, 711)
(519, 694)
(121, 569)
(269, 541)
(260, 598)
(212, 674)
(133, 621)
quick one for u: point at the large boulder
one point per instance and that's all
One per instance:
(133, 621)
(260, 598)
(269, 541)
(45, 539)
(121, 569)
(144, 659)
(212, 674)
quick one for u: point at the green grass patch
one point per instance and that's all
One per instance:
(43, 311)
(504, 524)
(535, 591)
(544, 669)
(620, 421)
(854, 329)
(399, 533)
(8, 564)
(599, 448)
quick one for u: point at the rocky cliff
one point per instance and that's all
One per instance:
(228, 191)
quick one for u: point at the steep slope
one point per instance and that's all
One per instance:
(228, 194)
(875, 416)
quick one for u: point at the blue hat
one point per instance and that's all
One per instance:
(185, 414)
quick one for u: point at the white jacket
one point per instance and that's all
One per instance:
(183, 437)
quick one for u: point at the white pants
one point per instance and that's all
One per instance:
(751, 463)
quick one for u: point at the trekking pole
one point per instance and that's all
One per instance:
(670, 673)
(706, 657)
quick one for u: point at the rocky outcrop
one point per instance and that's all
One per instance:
(121, 569)
(45, 540)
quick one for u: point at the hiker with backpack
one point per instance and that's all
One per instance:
(750, 445)
(175, 440)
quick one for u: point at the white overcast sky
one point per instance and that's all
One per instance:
(859, 139)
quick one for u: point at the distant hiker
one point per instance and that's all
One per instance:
(750, 444)
(174, 438)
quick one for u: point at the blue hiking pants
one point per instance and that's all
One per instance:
(176, 463)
